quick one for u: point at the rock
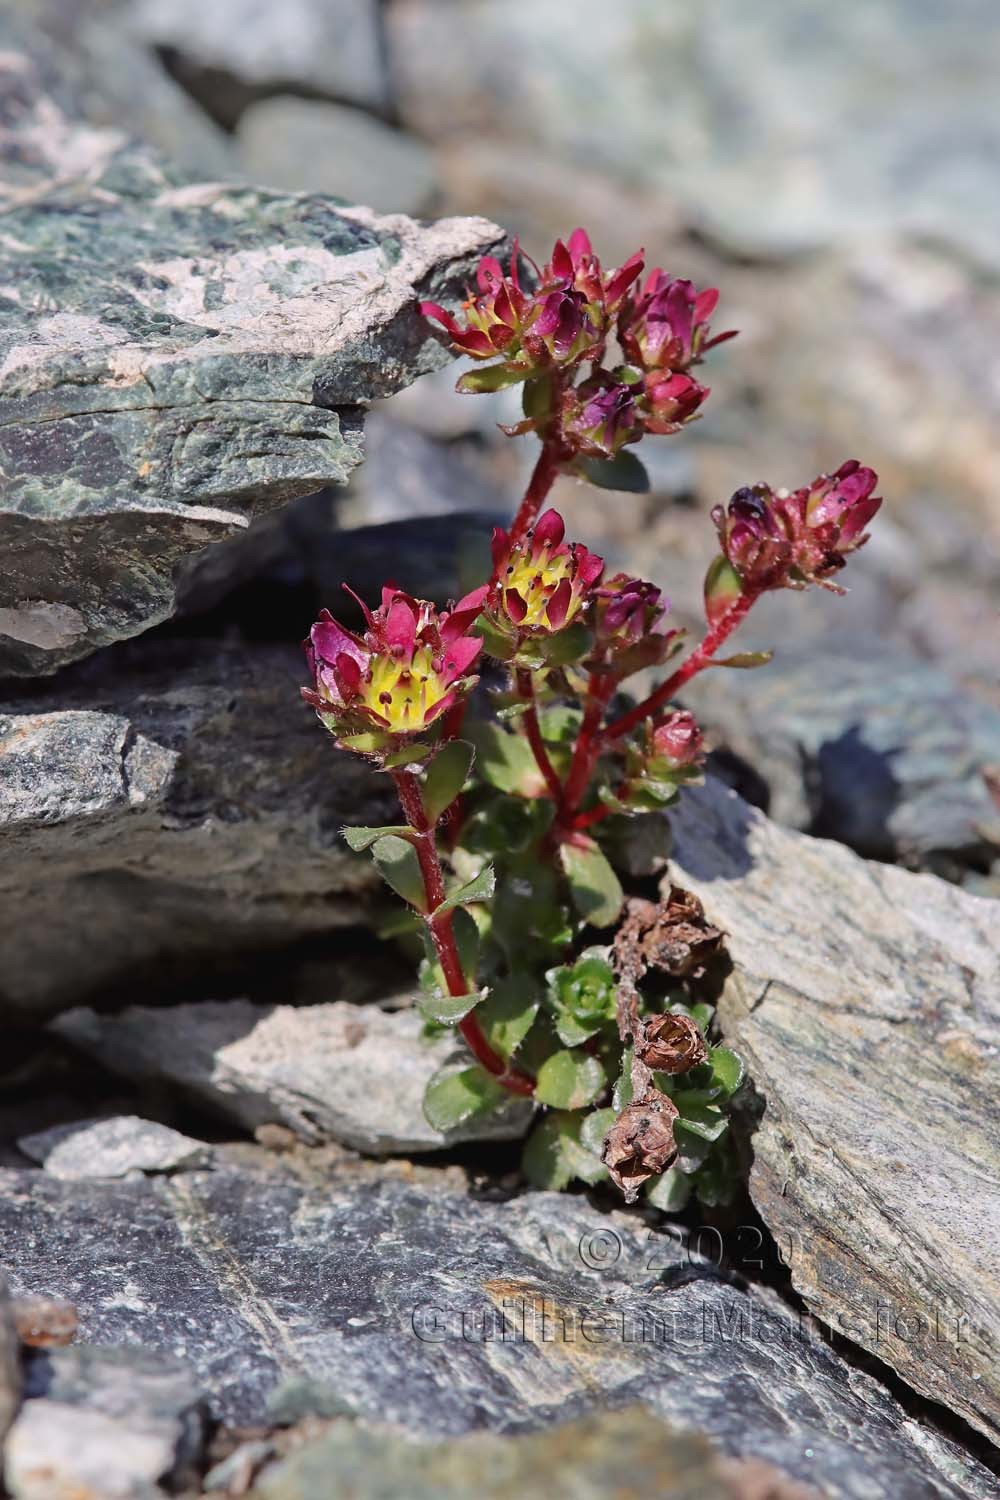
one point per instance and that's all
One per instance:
(329, 47)
(582, 1460)
(865, 1001)
(176, 357)
(866, 745)
(105, 1423)
(311, 146)
(349, 1073)
(10, 1364)
(832, 108)
(408, 475)
(168, 811)
(442, 1313)
(118, 1147)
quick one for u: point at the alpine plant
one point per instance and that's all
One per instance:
(519, 761)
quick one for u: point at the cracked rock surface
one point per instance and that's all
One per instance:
(865, 1001)
(430, 1309)
(176, 357)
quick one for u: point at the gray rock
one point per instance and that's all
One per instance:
(857, 118)
(330, 47)
(583, 1460)
(167, 811)
(349, 1073)
(311, 146)
(442, 1313)
(866, 745)
(10, 1364)
(112, 1423)
(176, 357)
(116, 1147)
(866, 1003)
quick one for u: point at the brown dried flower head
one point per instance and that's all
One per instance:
(640, 1144)
(670, 1043)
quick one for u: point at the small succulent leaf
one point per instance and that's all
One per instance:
(448, 1009)
(716, 1182)
(536, 400)
(569, 1080)
(723, 586)
(594, 887)
(445, 778)
(493, 378)
(728, 1070)
(704, 1120)
(595, 1127)
(398, 865)
(455, 1095)
(567, 646)
(744, 659)
(702, 1014)
(479, 888)
(669, 1192)
(508, 1013)
(554, 1154)
(624, 472)
(621, 1094)
(407, 755)
(466, 934)
(560, 725)
(505, 760)
(360, 839)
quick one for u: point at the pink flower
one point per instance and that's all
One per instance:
(789, 540)
(565, 320)
(402, 674)
(666, 326)
(541, 584)
(627, 612)
(599, 417)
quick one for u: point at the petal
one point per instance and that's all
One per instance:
(459, 657)
(579, 246)
(499, 548)
(558, 606)
(440, 707)
(561, 263)
(623, 278)
(549, 531)
(705, 304)
(466, 611)
(330, 640)
(473, 341)
(515, 605)
(348, 675)
(440, 315)
(400, 629)
(490, 274)
(369, 619)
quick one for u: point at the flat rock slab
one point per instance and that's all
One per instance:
(175, 358)
(117, 1147)
(874, 747)
(441, 1313)
(105, 1423)
(176, 809)
(866, 1003)
(340, 1072)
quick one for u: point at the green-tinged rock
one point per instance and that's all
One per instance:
(865, 1003)
(176, 357)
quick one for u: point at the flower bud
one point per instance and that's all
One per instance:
(666, 326)
(640, 1144)
(600, 417)
(677, 740)
(671, 1043)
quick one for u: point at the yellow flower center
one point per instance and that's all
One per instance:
(537, 581)
(403, 695)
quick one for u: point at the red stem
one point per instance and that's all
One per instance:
(532, 728)
(599, 690)
(442, 933)
(700, 658)
(542, 479)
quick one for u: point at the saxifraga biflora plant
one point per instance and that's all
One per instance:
(509, 817)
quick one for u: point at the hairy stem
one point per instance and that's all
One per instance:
(441, 929)
(587, 748)
(542, 479)
(700, 658)
(532, 728)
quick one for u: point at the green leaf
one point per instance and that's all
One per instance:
(704, 1120)
(466, 933)
(743, 659)
(716, 1182)
(595, 1127)
(493, 378)
(723, 586)
(569, 1080)
(567, 646)
(536, 399)
(727, 1069)
(359, 839)
(479, 888)
(446, 776)
(398, 865)
(505, 760)
(621, 1095)
(508, 1013)
(363, 744)
(594, 887)
(669, 1192)
(448, 1009)
(625, 472)
(554, 1155)
(407, 756)
(456, 1095)
(560, 725)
